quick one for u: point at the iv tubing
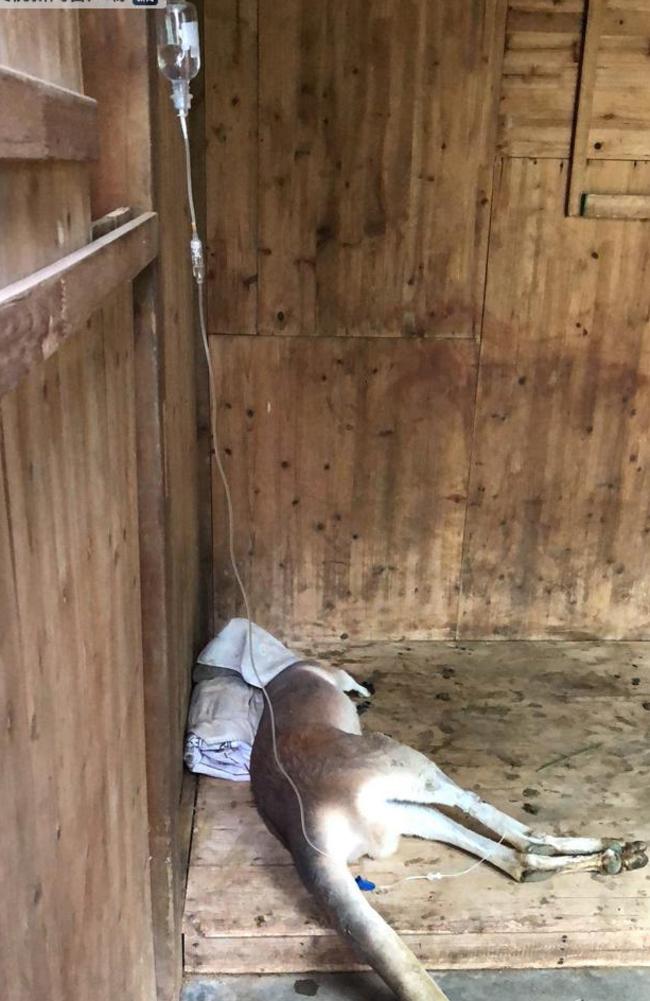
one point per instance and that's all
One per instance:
(198, 269)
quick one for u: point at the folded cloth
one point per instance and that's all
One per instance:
(223, 719)
(231, 649)
(227, 702)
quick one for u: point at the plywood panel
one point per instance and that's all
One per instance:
(75, 850)
(231, 95)
(372, 119)
(333, 140)
(558, 515)
(498, 718)
(348, 461)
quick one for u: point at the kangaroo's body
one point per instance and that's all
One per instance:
(361, 793)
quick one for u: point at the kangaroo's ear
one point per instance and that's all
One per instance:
(346, 683)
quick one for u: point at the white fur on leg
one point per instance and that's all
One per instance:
(446, 792)
(429, 823)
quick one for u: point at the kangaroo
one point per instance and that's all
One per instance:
(361, 793)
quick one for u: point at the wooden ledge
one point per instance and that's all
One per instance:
(616, 206)
(39, 312)
(42, 121)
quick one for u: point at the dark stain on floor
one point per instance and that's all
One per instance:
(307, 988)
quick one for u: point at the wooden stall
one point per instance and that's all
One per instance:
(427, 228)
(429, 313)
(416, 342)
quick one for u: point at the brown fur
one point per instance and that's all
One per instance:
(361, 793)
(320, 745)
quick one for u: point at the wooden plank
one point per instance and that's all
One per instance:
(536, 950)
(543, 40)
(547, 6)
(39, 312)
(365, 126)
(616, 206)
(141, 163)
(550, 21)
(558, 504)
(170, 544)
(198, 132)
(231, 150)
(449, 701)
(45, 212)
(584, 104)
(111, 221)
(630, 5)
(618, 177)
(41, 121)
(76, 837)
(121, 85)
(45, 46)
(289, 910)
(160, 673)
(633, 21)
(348, 462)
(621, 109)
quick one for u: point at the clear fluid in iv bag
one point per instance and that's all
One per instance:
(177, 62)
(179, 53)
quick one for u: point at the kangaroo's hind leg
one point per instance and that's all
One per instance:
(418, 780)
(523, 866)
(632, 854)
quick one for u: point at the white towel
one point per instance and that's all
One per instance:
(231, 649)
(223, 719)
(227, 702)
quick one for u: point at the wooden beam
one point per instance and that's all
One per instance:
(42, 121)
(110, 222)
(584, 105)
(39, 312)
(616, 206)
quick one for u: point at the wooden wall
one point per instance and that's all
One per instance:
(76, 918)
(433, 383)
(99, 524)
(142, 165)
(74, 856)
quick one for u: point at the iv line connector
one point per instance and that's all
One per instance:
(198, 259)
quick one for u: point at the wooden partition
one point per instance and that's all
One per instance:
(142, 165)
(99, 540)
(433, 382)
(75, 847)
(77, 915)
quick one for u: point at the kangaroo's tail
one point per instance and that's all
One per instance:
(335, 889)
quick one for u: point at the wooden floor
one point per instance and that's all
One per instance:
(558, 734)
